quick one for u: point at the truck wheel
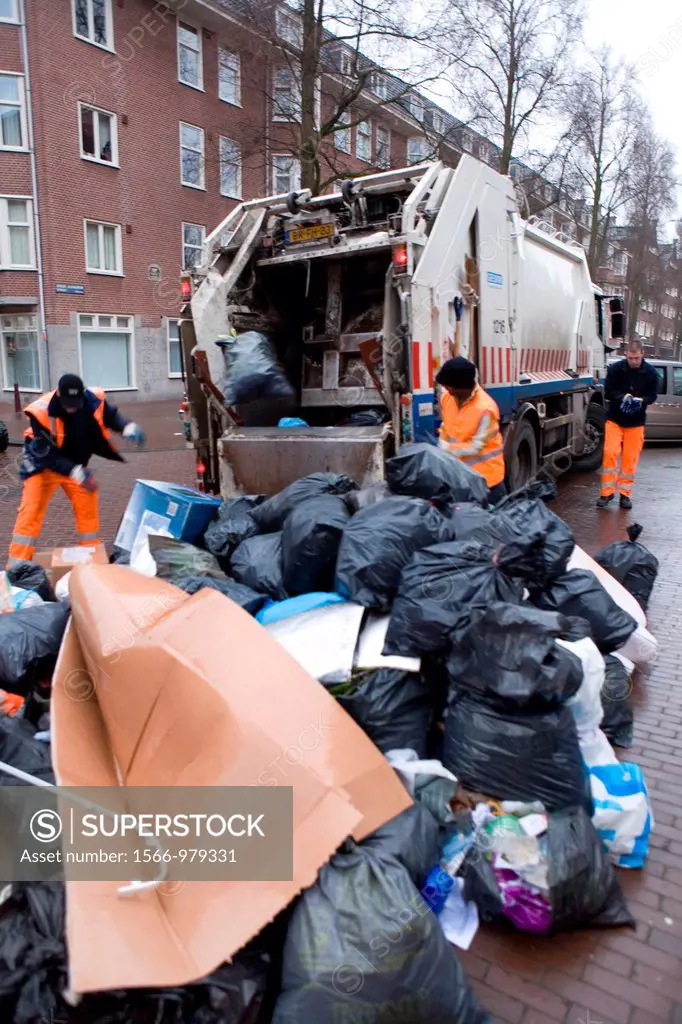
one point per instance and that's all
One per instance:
(4, 437)
(521, 457)
(591, 459)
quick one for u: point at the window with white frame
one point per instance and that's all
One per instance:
(415, 105)
(20, 361)
(106, 350)
(286, 174)
(93, 21)
(190, 65)
(383, 144)
(17, 249)
(103, 248)
(378, 84)
(173, 343)
(98, 135)
(287, 96)
(289, 27)
(342, 137)
(363, 141)
(435, 120)
(191, 155)
(417, 150)
(548, 192)
(230, 168)
(343, 61)
(466, 142)
(229, 77)
(483, 151)
(193, 237)
(515, 172)
(8, 10)
(12, 112)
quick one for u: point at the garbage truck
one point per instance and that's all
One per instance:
(362, 295)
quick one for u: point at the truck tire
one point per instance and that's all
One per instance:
(591, 460)
(521, 457)
(4, 437)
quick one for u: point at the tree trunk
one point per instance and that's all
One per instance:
(310, 164)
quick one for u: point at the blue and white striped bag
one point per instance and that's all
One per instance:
(622, 812)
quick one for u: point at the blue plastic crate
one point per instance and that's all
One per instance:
(183, 512)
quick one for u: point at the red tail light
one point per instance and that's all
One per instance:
(400, 257)
(185, 289)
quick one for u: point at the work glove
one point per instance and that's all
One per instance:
(630, 404)
(84, 477)
(134, 434)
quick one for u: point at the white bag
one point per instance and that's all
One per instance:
(586, 706)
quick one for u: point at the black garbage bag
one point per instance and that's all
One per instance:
(252, 372)
(393, 707)
(310, 544)
(579, 593)
(177, 558)
(272, 514)
(369, 418)
(257, 563)
(19, 748)
(584, 890)
(632, 564)
(244, 596)
(233, 525)
(413, 838)
(439, 589)
(378, 543)
(548, 540)
(363, 945)
(367, 496)
(119, 556)
(427, 471)
(471, 521)
(29, 644)
(616, 701)
(508, 658)
(31, 576)
(520, 756)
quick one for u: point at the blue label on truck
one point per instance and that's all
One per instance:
(495, 280)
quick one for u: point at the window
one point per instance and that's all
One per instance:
(342, 137)
(20, 363)
(549, 193)
(17, 251)
(416, 150)
(173, 341)
(193, 236)
(92, 21)
(620, 264)
(483, 151)
(190, 69)
(378, 84)
(8, 10)
(343, 61)
(191, 155)
(466, 142)
(229, 77)
(662, 372)
(98, 134)
(289, 27)
(383, 159)
(286, 174)
(230, 168)
(363, 141)
(103, 248)
(415, 105)
(12, 112)
(287, 96)
(515, 172)
(106, 350)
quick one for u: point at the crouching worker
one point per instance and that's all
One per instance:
(471, 424)
(66, 427)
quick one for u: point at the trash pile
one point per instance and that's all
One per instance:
(474, 666)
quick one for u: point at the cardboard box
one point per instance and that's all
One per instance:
(181, 512)
(193, 691)
(58, 561)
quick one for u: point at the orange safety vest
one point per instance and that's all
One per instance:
(460, 425)
(55, 426)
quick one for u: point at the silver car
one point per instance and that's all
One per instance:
(664, 418)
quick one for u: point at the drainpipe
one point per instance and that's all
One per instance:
(45, 361)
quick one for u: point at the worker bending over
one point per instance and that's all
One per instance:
(66, 427)
(471, 424)
(631, 386)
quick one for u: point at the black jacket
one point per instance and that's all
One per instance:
(82, 438)
(621, 380)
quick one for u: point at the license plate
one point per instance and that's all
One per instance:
(309, 234)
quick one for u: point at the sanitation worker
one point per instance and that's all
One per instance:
(66, 427)
(471, 424)
(631, 386)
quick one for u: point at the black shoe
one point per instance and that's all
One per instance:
(605, 500)
(625, 502)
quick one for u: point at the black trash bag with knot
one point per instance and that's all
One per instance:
(584, 890)
(233, 525)
(426, 471)
(252, 372)
(29, 644)
(364, 945)
(257, 563)
(413, 838)
(272, 514)
(508, 658)
(616, 701)
(244, 596)
(310, 544)
(579, 593)
(439, 589)
(177, 558)
(33, 961)
(393, 707)
(631, 564)
(523, 756)
(379, 542)
(545, 543)
(31, 576)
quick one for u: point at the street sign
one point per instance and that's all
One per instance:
(70, 289)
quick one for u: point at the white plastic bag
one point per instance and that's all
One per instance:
(25, 598)
(586, 706)
(641, 647)
(62, 589)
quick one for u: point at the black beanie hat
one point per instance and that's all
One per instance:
(71, 390)
(457, 373)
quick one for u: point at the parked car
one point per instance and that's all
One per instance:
(664, 418)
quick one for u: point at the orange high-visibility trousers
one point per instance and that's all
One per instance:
(624, 444)
(38, 490)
